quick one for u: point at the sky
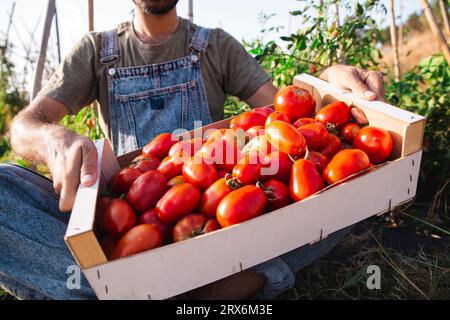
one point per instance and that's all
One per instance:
(238, 17)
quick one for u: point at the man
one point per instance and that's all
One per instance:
(154, 74)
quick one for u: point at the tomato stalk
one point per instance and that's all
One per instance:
(232, 182)
(269, 192)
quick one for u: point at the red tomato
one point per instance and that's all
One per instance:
(345, 163)
(146, 190)
(375, 142)
(241, 205)
(176, 180)
(150, 217)
(124, 179)
(305, 180)
(247, 170)
(277, 194)
(359, 116)
(108, 244)
(160, 145)
(332, 146)
(349, 131)
(141, 238)
(254, 132)
(193, 225)
(171, 167)
(258, 146)
(316, 135)
(319, 159)
(103, 203)
(337, 113)
(276, 115)
(277, 166)
(247, 120)
(186, 148)
(294, 102)
(286, 138)
(212, 196)
(265, 111)
(199, 173)
(119, 217)
(145, 163)
(223, 153)
(302, 121)
(222, 174)
(178, 202)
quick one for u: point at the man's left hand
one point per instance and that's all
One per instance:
(365, 84)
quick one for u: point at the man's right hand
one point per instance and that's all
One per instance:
(71, 158)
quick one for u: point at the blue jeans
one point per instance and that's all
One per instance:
(34, 257)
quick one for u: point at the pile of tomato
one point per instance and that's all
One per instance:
(267, 159)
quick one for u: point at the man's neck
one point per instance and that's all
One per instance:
(154, 29)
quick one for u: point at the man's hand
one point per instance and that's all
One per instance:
(72, 160)
(37, 137)
(365, 84)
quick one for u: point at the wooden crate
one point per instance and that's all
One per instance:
(176, 268)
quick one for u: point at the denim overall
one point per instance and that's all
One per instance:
(35, 263)
(147, 100)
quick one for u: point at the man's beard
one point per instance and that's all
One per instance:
(158, 7)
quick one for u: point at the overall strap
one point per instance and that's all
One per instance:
(199, 42)
(110, 49)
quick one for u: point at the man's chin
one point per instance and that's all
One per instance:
(156, 7)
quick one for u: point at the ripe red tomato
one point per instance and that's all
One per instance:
(212, 196)
(171, 167)
(349, 131)
(294, 102)
(178, 202)
(199, 173)
(258, 146)
(277, 194)
(221, 152)
(375, 142)
(119, 217)
(332, 146)
(146, 190)
(276, 115)
(247, 120)
(175, 180)
(286, 138)
(241, 205)
(316, 135)
(254, 132)
(336, 113)
(277, 165)
(345, 163)
(319, 159)
(145, 163)
(302, 121)
(124, 179)
(150, 217)
(193, 225)
(359, 116)
(160, 145)
(305, 180)
(265, 111)
(186, 148)
(140, 238)
(248, 169)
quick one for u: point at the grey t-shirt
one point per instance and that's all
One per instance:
(226, 68)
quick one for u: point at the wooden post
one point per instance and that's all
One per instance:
(42, 53)
(191, 10)
(338, 24)
(444, 14)
(58, 43)
(394, 43)
(91, 15)
(436, 30)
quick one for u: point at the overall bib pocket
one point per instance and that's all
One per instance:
(149, 113)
